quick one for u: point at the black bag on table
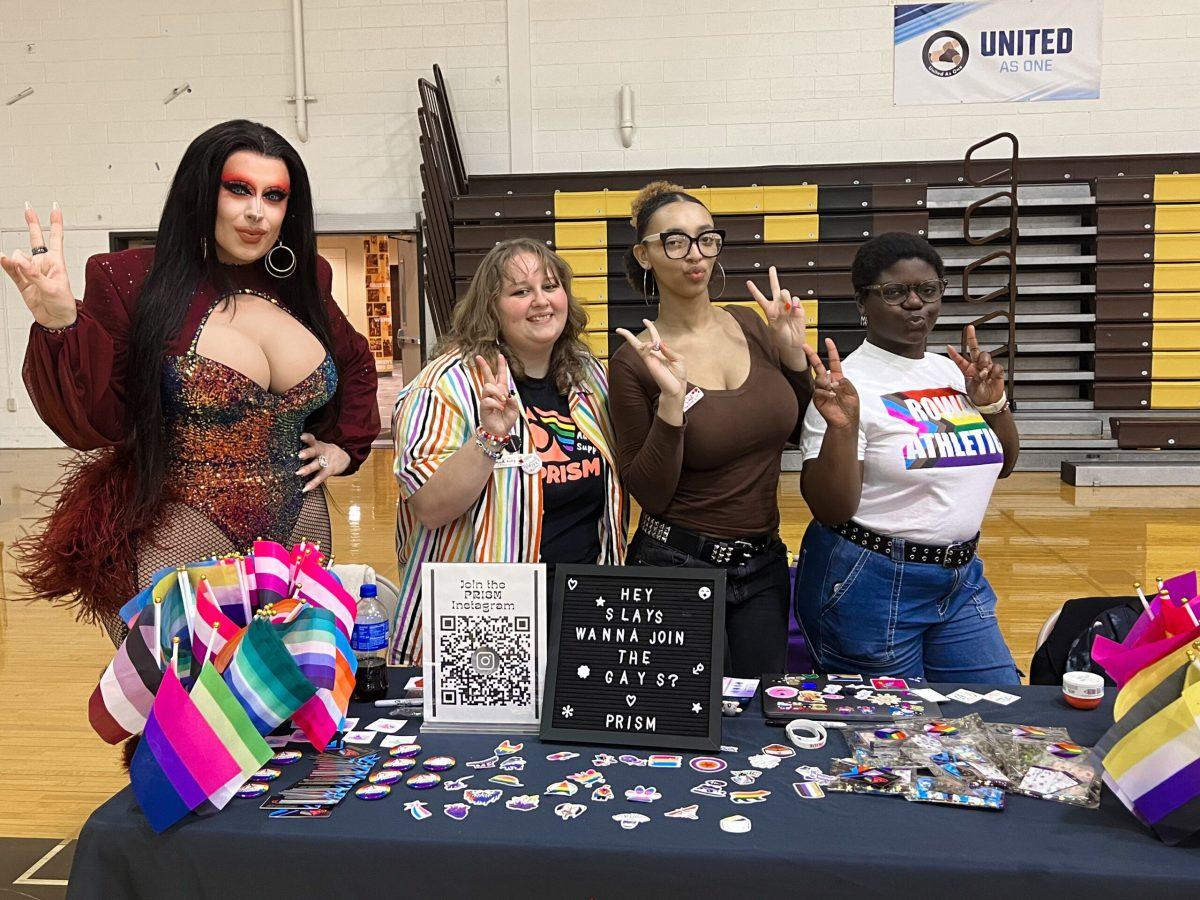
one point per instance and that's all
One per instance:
(1068, 647)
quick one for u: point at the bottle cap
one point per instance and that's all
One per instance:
(368, 590)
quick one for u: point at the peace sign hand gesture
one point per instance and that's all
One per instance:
(665, 366)
(985, 376)
(41, 275)
(499, 409)
(785, 317)
(833, 395)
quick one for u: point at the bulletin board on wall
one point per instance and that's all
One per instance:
(379, 300)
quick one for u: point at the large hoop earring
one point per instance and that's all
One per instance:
(274, 268)
(204, 249)
(721, 292)
(646, 294)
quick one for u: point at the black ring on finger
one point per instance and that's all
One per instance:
(36, 250)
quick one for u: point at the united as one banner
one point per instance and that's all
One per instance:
(997, 51)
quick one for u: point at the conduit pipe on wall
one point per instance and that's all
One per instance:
(627, 125)
(301, 97)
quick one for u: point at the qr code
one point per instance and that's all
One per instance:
(485, 661)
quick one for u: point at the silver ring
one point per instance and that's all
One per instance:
(656, 346)
(36, 250)
(323, 462)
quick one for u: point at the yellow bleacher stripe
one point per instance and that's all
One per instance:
(790, 198)
(1176, 336)
(597, 314)
(1174, 394)
(1177, 218)
(580, 235)
(1177, 277)
(1176, 247)
(1176, 307)
(1176, 188)
(580, 205)
(590, 290)
(795, 229)
(597, 342)
(735, 200)
(1176, 365)
(618, 204)
(586, 262)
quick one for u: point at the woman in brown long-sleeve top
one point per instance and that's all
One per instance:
(699, 444)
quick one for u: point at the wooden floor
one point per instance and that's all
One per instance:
(1043, 542)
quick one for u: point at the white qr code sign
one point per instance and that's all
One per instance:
(484, 643)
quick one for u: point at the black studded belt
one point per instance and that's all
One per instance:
(716, 551)
(951, 555)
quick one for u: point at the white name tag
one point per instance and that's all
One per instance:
(694, 396)
(530, 463)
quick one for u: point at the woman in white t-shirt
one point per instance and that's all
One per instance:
(901, 451)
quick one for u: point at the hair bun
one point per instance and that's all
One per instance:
(648, 194)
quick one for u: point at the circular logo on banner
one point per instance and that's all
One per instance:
(945, 53)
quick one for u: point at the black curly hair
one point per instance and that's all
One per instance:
(884, 251)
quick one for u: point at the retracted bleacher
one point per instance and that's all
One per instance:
(1104, 292)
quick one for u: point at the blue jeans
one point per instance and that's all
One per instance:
(878, 615)
(756, 602)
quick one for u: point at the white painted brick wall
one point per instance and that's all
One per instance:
(717, 84)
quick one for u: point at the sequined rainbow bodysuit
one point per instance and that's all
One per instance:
(233, 443)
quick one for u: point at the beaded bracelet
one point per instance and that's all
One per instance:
(492, 449)
(488, 436)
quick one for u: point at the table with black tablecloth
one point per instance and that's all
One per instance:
(844, 845)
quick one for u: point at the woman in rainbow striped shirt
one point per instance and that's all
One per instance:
(503, 441)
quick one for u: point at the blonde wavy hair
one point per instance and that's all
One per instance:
(475, 325)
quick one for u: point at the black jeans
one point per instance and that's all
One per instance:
(756, 603)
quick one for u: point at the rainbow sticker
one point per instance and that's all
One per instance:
(940, 728)
(1065, 749)
(891, 734)
(1031, 731)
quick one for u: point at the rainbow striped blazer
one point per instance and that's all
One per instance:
(435, 415)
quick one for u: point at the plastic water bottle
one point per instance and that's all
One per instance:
(369, 641)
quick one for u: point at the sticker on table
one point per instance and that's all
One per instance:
(1001, 697)
(359, 737)
(439, 763)
(286, 757)
(962, 695)
(630, 760)
(762, 761)
(685, 812)
(458, 784)
(745, 777)
(489, 763)
(560, 756)
(710, 765)
(809, 790)
(562, 789)
(523, 802)
(387, 726)
(372, 791)
(711, 788)
(600, 760)
(735, 824)
(891, 734)
(423, 781)
(664, 761)
(588, 778)
(507, 748)
(253, 789)
(418, 810)
(603, 794)
(834, 678)
(1065, 749)
(513, 764)
(510, 781)
(782, 692)
(783, 751)
(749, 796)
(456, 811)
(484, 797)
(629, 821)
(889, 684)
(405, 751)
(567, 811)
(642, 794)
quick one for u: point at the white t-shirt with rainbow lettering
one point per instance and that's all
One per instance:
(930, 460)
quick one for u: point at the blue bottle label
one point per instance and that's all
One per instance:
(369, 637)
